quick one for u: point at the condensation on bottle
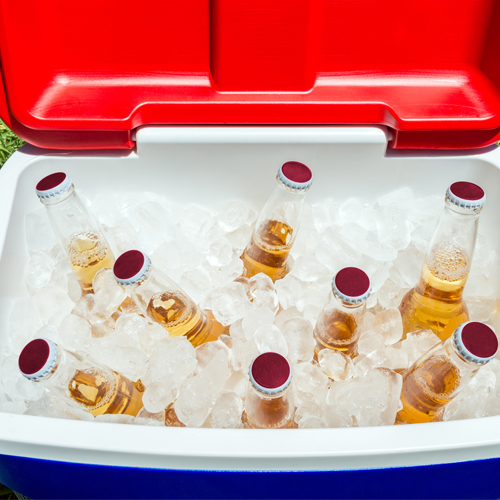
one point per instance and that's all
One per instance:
(339, 324)
(80, 381)
(81, 239)
(436, 303)
(163, 301)
(269, 396)
(441, 373)
(278, 222)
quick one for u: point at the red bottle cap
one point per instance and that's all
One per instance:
(270, 373)
(131, 267)
(466, 195)
(53, 185)
(476, 342)
(37, 358)
(352, 285)
(295, 175)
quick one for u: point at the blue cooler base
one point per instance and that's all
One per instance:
(42, 479)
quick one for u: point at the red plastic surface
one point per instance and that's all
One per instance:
(85, 75)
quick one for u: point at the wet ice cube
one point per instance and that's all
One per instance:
(75, 333)
(108, 299)
(240, 237)
(364, 363)
(151, 336)
(232, 216)
(390, 325)
(396, 359)
(289, 291)
(197, 395)
(40, 236)
(335, 364)
(254, 318)
(371, 340)
(229, 303)
(243, 353)
(350, 211)
(237, 383)
(262, 292)
(409, 265)
(298, 333)
(312, 422)
(50, 405)
(121, 237)
(401, 198)
(207, 351)
(390, 295)
(481, 308)
(197, 283)
(269, 339)
(418, 343)
(334, 252)
(16, 386)
(129, 361)
(325, 215)
(310, 384)
(128, 330)
(372, 400)
(392, 227)
(144, 417)
(38, 270)
(308, 409)
(53, 304)
(285, 314)
(219, 253)
(24, 322)
(170, 364)
(308, 269)
(226, 413)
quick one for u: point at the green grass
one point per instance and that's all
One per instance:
(9, 143)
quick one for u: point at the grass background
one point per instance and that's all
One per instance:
(9, 143)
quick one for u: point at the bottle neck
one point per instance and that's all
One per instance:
(285, 206)
(263, 395)
(467, 368)
(342, 305)
(60, 198)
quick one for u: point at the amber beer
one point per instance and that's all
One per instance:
(80, 237)
(440, 374)
(80, 381)
(163, 301)
(436, 302)
(278, 223)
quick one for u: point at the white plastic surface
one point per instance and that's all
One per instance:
(210, 166)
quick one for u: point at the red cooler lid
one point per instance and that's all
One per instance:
(86, 75)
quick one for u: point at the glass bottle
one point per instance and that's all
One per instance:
(339, 325)
(163, 301)
(269, 396)
(441, 373)
(278, 222)
(80, 237)
(79, 381)
(436, 302)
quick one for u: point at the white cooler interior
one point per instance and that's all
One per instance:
(211, 166)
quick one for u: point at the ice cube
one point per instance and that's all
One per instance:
(129, 329)
(312, 422)
(309, 384)
(390, 295)
(418, 343)
(481, 308)
(108, 299)
(170, 364)
(237, 383)
(325, 215)
(24, 322)
(308, 409)
(128, 361)
(243, 353)
(115, 419)
(298, 333)
(262, 292)
(226, 413)
(308, 269)
(372, 400)
(396, 359)
(229, 303)
(409, 265)
(353, 232)
(374, 249)
(232, 216)
(377, 271)
(393, 228)
(240, 237)
(219, 253)
(401, 198)
(197, 283)
(285, 314)
(16, 386)
(289, 291)
(75, 333)
(151, 336)
(197, 395)
(334, 252)
(335, 364)
(206, 352)
(350, 211)
(40, 236)
(53, 304)
(121, 237)
(269, 339)
(390, 325)
(363, 364)
(254, 318)
(38, 270)
(52, 406)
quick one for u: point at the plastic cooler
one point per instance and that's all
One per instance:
(202, 101)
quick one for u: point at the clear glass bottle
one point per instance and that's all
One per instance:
(441, 373)
(436, 302)
(339, 325)
(80, 237)
(163, 301)
(79, 381)
(269, 396)
(278, 222)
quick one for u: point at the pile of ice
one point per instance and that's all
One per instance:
(200, 250)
